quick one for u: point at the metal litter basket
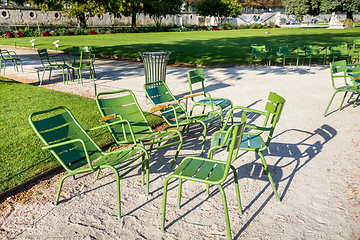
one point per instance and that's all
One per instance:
(155, 65)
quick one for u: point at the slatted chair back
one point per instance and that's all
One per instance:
(58, 125)
(196, 76)
(44, 57)
(273, 108)
(124, 103)
(158, 93)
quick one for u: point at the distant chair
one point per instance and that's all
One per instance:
(340, 70)
(259, 52)
(339, 50)
(283, 52)
(6, 55)
(313, 51)
(355, 50)
(51, 61)
(86, 61)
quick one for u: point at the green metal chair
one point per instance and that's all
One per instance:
(314, 51)
(339, 69)
(6, 55)
(283, 52)
(355, 50)
(174, 111)
(124, 104)
(197, 76)
(50, 62)
(339, 50)
(86, 62)
(259, 51)
(74, 57)
(78, 153)
(253, 141)
(210, 171)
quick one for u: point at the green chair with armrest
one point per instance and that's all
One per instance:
(174, 111)
(196, 77)
(124, 104)
(210, 171)
(6, 55)
(51, 61)
(254, 140)
(78, 153)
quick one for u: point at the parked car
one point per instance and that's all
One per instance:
(293, 21)
(313, 21)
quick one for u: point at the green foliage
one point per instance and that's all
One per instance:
(157, 10)
(219, 8)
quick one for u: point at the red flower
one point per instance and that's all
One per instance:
(225, 28)
(269, 26)
(70, 33)
(20, 34)
(256, 27)
(276, 26)
(45, 34)
(216, 29)
(92, 32)
(9, 34)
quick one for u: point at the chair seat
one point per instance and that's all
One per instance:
(348, 88)
(223, 103)
(200, 170)
(248, 141)
(206, 117)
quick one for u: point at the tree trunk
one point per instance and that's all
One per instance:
(349, 20)
(133, 20)
(82, 21)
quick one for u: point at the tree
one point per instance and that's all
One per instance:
(262, 3)
(157, 10)
(218, 8)
(131, 8)
(314, 7)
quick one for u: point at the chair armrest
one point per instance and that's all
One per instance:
(258, 128)
(115, 115)
(69, 142)
(192, 95)
(163, 106)
(241, 108)
(57, 56)
(121, 121)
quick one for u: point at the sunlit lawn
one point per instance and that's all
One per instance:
(207, 47)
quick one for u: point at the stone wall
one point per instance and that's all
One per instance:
(30, 16)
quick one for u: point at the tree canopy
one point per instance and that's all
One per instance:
(315, 7)
(157, 10)
(218, 8)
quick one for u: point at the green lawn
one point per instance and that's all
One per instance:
(20, 147)
(210, 47)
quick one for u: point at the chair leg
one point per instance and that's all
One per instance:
(179, 193)
(4, 66)
(94, 71)
(226, 213)
(342, 102)
(164, 203)
(266, 171)
(177, 152)
(118, 198)
(97, 174)
(204, 137)
(42, 78)
(59, 188)
(50, 74)
(237, 190)
(147, 177)
(356, 100)
(332, 98)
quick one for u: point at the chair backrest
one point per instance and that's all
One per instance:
(196, 76)
(234, 133)
(86, 59)
(158, 92)
(78, 50)
(282, 50)
(273, 108)
(312, 50)
(339, 48)
(125, 104)
(356, 45)
(58, 125)
(258, 50)
(44, 56)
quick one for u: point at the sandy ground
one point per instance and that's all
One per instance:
(313, 160)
